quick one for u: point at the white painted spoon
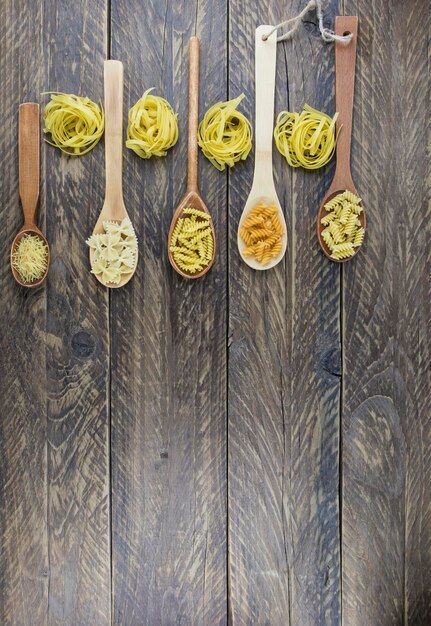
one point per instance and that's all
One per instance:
(263, 188)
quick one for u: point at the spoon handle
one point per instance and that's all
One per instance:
(192, 174)
(345, 60)
(265, 60)
(113, 77)
(29, 160)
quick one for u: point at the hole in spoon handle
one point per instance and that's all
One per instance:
(345, 61)
(29, 136)
(192, 175)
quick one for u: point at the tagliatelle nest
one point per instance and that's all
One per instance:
(76, 123)
(152, 126)
(225, 134)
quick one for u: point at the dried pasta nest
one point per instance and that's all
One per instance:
(75, 123)
(152, 126)
(225, 135)
(306, 139)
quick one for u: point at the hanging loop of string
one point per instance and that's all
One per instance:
(294, 22)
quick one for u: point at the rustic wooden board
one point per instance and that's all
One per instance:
(386, 419)
(284, 366)
(23, 499)
(168, 377)
(77, 347)
(54, 558)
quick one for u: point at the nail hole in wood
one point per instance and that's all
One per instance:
(346, 33)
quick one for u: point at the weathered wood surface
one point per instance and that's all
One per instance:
(54, 563)
(169, 453)
(168, 375)
(284, 367)
(386, 436)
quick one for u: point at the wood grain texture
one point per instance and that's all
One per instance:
(386, 422)
(168, 378)
(77, 349)
(23, 495)
(284, 366)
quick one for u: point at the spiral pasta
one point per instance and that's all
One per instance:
(343, 232)
(306, 139)
(75, 123)
(192, 244)
(152, 126)
(261, 231)
(225, 135)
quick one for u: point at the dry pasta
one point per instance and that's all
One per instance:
(30, 258)
(152, 126)
(76, 123)
(114, 251)
(225, 134)
(306, 139)
(192, 244)
(343, 232)
(261, 231)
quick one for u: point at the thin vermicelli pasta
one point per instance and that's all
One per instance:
(261, 231)
(152, 126)
(343, 233)
(75, 123)
(30, 258)
(225, 135)
(306, 139)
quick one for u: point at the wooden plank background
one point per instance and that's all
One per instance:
(253, 448)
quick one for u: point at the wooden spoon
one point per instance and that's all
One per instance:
(29, 150)
(345, 59)
(192, 197)
(113, 209)
(263, 188)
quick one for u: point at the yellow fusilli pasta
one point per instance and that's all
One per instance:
(261, 231)
(192, 244)
(343, 231)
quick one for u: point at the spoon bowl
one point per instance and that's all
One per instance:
(192, 198)
(114, 209)
(263, 188)
(345, 59)
(322, 211)
(30, 230)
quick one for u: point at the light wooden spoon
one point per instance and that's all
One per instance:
(29, 157)
(263, 188)
(192, 197)
(345, 60)
(113, 209)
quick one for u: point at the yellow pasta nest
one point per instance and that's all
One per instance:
(152, 126)
(261, 231)
(343, 232)
(306, 139)
(192, 243)
(225, 134)
(115, 251)
(30, 258)
(76, 124)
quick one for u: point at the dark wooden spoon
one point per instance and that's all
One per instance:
(345, 59)
(29, 151)
(192, 197)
